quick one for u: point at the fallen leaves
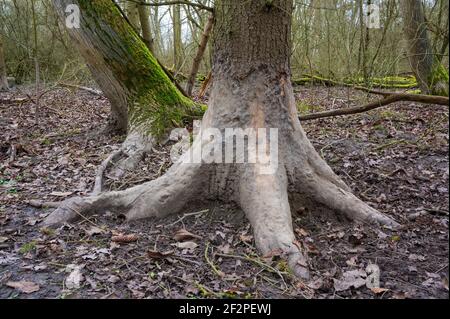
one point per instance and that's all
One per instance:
(26, 287)
(352, 278)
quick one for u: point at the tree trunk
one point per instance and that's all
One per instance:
(3, 76)
(199, 55)
(430, 73)
(144, 18)
(144, 102)
(252, 91)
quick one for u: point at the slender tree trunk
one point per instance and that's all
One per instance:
(252, 91)
(177, 41)
(430, 73)
(199, 56)
(3, 76)
(144, 18)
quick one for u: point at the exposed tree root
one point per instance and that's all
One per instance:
(164, 196)
(264, 199)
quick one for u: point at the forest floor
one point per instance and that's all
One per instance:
(395, 158)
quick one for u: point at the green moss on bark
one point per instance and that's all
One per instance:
(154, 102)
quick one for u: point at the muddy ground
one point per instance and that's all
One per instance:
(395, 158)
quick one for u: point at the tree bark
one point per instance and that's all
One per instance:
(199, 55)
(141, 94)
(252, 90)
(430, 73)
(3, 76)
(177, 41)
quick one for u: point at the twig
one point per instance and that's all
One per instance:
(188, 215)
(214, 268)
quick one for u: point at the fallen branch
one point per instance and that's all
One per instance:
(392, 98)
(83, 88)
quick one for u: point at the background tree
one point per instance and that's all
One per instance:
(3, 76)
(431, 75)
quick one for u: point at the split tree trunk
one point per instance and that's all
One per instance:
(3, 76)
(252, 90)
(430, 73)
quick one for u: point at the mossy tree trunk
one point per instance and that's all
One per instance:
(3, 76)
(252, 90)
(430, 73)
(144, 102)
(141, 94)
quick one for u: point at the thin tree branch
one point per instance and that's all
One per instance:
(394, 97)
(174, 2)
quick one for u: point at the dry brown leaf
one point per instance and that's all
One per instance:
(158, 254)
(94, 230)
(125, 239)
(378, 291)
(26, 287)
(246, 238)
(183, 235)
(301, 232)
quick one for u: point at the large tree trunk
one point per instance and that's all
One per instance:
(3, 76)
(251, 90)
(430, 73)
